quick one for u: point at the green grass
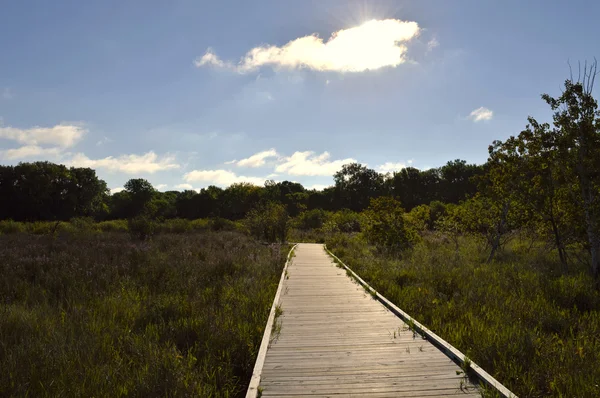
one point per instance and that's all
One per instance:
(536, 329)
(100, 314)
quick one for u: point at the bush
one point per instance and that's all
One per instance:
(141, 227)
(419, 218)
(82, 223)
(221, 224)
(112, 226)
(11, 227)
(344, 221)
(312, 219)
(42, 227)
(176, 225)
(268, 222)
(200, 224)
(385, 224)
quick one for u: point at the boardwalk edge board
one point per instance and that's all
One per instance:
(264, 345)
(442, 344)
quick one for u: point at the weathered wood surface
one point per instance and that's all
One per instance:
(336, 340)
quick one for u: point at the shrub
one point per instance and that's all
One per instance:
(141, 227)
(312, 219)
(344, 221)
(385, 224)
(419, 218)
(200, 224)
(176, 225)
(11, 227)
(112, 226)
(42, 227)
(268, 222)
(221, 224)
(82, 223)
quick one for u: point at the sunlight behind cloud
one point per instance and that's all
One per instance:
(372, 45)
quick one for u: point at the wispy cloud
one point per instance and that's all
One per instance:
(390, 167)
(220, 177)
(103, 141)
(310, 164)
(62, 135)
(148, 163)
(161, 187)
(256, 160)
(433, 43)
(481, 114)
(372, 45)
(116, 190)
(29, 151)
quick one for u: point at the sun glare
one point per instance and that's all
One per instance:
(372, 45)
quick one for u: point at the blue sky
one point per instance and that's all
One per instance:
(192, 93)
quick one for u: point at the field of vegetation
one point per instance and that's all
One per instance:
(535, 328)
(88, 313)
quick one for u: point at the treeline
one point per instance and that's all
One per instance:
(545, 180)
(43, 191)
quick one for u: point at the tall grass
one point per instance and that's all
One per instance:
(535, 328)
(99, 314)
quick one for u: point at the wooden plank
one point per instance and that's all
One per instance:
(440, 343)
(336, 340)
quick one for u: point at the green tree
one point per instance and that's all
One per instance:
(268, 222)
(356, 184)
(385, 224)
(141, 192)
(576, 137)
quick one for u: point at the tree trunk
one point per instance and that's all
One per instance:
(559, 244)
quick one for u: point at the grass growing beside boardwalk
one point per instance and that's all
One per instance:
(536, 329)
(98, 314)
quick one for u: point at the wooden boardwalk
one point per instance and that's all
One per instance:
(336, 340)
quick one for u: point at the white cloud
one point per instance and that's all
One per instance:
(309, 164)
(390, 167)
(372, 45)
(29, 151)
(184, 186)
(149, 163)
(318, 187)
(431, 44)
(220, 177)
(115, 190)
(161, 187)
(210, 58)
(480, 114)
(257, 159)
(7, 94)
(104, 140)
(62, 135)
